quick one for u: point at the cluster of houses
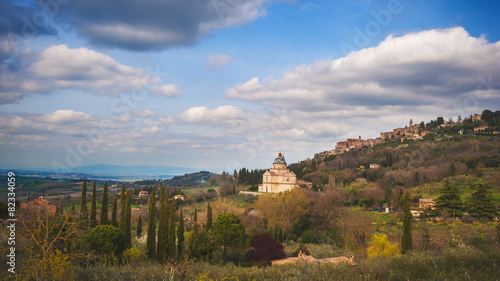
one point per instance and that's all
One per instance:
(409, 132)
(145, 194)
(413, 131)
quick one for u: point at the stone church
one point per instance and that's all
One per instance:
(279, 178)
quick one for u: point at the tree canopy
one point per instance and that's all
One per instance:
(229, 233)
(449, 199)
(482, 204)
(284, 209)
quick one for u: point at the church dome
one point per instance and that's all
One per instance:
(280, 159)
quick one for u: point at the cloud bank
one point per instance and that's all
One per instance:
(424, 68)
(60, 67)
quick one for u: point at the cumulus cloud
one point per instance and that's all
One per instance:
(169, 90)
(58, 123)
(423, 68)
(217, 61)
(63, 127)
(134, 25)
(60, 67)
(221, 114)
(156, 25)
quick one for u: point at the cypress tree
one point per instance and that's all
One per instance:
(84, 213)
(123, 203)
(195, 216)
(114, 222)
(104, 204)
(171, 250)
(128, 222)
(209, 217)
(280, 235)
(406, 239)
(139, 227)
(151, 241)
(73, 210)
(200, 244)
(162, 227)
(93, 208)
(180, 237)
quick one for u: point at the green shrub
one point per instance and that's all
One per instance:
(308, 236)
(382, 247)
(105, 240)
(133, 256)
(55, 267)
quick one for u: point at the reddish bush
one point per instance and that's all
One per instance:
(264, 249)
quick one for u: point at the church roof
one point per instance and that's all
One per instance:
(280, 159)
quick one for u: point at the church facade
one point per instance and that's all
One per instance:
(279, 178)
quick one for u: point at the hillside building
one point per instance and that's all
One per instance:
(279, 178)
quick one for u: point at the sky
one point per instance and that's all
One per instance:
(224, 84)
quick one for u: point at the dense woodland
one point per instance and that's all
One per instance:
(215, 233)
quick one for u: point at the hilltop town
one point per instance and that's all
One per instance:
(413, 132)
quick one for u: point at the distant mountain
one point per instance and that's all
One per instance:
(134, 170)
(192, 179)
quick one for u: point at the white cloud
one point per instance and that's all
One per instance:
(60, 67)
(221, 114)
(61, 122)
(217, 61)
(65, 116)
(428, 67)
(169, 90)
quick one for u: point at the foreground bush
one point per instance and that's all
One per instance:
(105, 240)
(453, 264)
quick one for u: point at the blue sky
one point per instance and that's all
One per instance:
(225, 84)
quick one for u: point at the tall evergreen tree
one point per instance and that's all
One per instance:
(151, 241)
(195, 216)
(104, 204)
(123, 203)
(128, 222)
(199, 244)
(114, 212)
(481, 204)
(84, 213)
(93, 207)
(162, 227)
(209, 217)
(139, 227)
(449, 199)
(406, 239)
(180, 236)
(171, 249)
